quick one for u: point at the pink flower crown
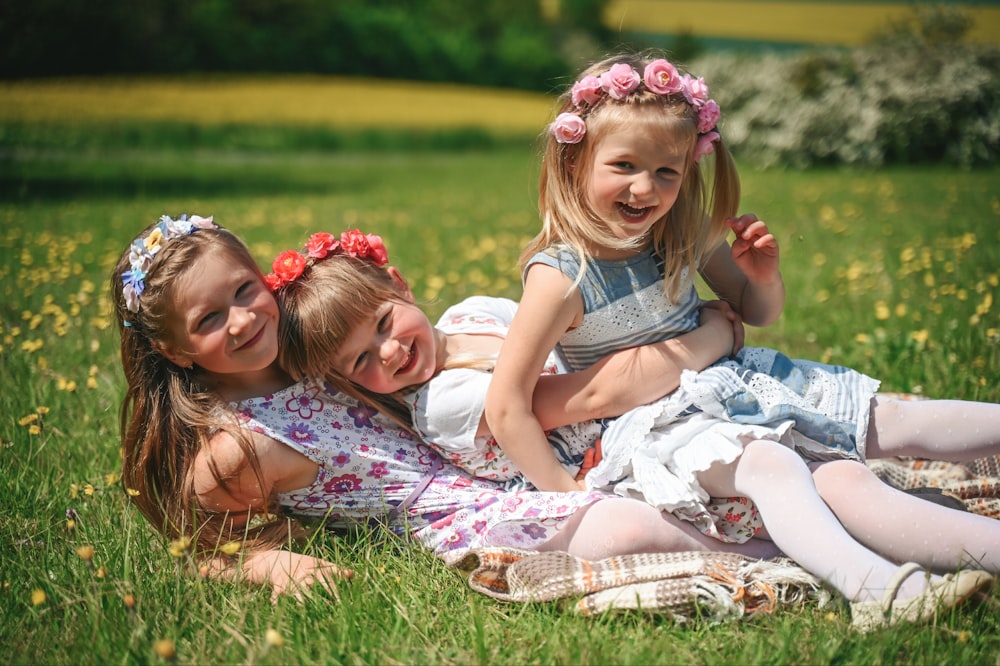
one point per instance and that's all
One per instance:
(659, 77)
(291, 264)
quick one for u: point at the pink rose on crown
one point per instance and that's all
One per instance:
(662, 78)
(695, 90)
(568, 128)
(587, 90)
(620, 80)
(708, 116)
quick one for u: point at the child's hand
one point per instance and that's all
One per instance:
(591, 458)
(755, 249)
(723, 310)
(297, 574)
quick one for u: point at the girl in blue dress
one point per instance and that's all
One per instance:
(630, 216)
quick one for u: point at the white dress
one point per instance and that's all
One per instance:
(447, 410)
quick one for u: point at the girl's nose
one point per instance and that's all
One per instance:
(389, 350)
(642, 185)
(239, 319)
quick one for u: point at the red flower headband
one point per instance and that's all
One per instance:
(290, 264)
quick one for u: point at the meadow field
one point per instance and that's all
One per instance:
(894, 272)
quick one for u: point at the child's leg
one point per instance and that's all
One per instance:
(620, 526)
(904, 528)
(953, 430)
(802, 525)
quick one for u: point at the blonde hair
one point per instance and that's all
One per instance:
(320, 308)
(167, 416)
(693, 227)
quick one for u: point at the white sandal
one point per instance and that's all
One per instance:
(946, 593)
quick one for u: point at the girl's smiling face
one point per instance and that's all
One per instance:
(634, 179)
(396, 347)
(226, 319)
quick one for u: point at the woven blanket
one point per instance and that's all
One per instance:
(685, 586)
(975, 484)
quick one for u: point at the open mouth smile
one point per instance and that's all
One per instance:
(408, 362)
(633, 214)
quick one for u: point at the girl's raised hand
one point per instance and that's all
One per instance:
(755, 249)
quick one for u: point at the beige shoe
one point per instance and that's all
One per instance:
(946, 593)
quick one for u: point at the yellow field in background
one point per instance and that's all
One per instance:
(286, 100)
(827, 23)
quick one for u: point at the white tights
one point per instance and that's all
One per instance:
(849, 528)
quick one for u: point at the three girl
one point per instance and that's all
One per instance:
(628, 219)
(219, 442)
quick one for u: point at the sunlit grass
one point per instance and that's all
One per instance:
(893, 272)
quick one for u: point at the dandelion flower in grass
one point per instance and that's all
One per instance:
(178, 547)
(129, 601)
(165, 649)
(34, 430)
(28, 420)
(88, 489)
(920, 337)
(230, 548)
(274, 638)
(881, 310)
(37, 597)
(85, 553)
(131, 492)
(862, 338)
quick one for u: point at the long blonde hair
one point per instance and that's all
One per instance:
(693, 227)
(167, 415)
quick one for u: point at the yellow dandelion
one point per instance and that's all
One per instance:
(74, 491)
(101, 572)
(230, 548)
(165, 649)
(920, 337)
(862, 338)
(91, 383)
(42, 410)
(111, 478)
(31, 346)
(34, 430)
(129, 601)
(178, 547)
(70, 524)
(881, 310)
(274, 638)
(131, 492)
(27, 420)
(37, 597)
(85, 553)
(88, 490)
(900, 309)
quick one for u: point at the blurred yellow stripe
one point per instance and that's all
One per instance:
(827, 23)
(297, 100)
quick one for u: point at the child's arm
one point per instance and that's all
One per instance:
(548, 308)
(747, 274)
(282, 469)
(633, 377)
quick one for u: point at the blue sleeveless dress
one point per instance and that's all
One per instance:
(653, 452)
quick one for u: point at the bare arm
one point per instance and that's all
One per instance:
(633, 377)
(548, 308)
(282, 469)
(747, 274)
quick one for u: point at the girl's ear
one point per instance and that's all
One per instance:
(179, 358)
(399, 282)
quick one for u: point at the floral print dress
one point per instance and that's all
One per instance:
(369, 469)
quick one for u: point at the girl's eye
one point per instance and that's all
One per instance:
(383, 323)
(623, 165)
(205, 321)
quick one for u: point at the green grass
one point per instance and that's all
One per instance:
(454, 222)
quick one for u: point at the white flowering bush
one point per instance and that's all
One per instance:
(898, 102)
